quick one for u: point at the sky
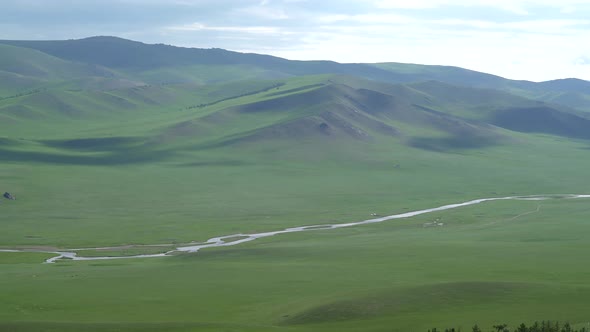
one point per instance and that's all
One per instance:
(519, 39)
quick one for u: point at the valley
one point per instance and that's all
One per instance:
(151, 149)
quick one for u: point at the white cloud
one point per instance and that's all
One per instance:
(387, 18)
(416, 4)
(521, 7)
(517, 7)
(240, 29)
(263, 12)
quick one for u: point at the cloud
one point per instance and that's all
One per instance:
(239, 29)
(264, 12)
(516, 7)
(388, 18)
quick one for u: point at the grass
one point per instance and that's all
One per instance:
(23, 257)
(118, 252)
(483, 265)
(70, 205)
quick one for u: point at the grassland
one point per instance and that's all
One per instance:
(488, 263)
(499, 261)
(175, 163)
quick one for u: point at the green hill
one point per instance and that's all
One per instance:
(314, 107)
(25, 71)
(157, 64)
(574, 93)
(136, 57)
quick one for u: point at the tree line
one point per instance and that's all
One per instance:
(544, 326)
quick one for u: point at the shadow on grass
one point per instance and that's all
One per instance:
(449, 144)
(398, 301)
(543, 120)
(6, 142)
(215, 163)
(122, 157)
(96, 144)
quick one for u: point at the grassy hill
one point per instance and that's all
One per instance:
(135, 58)
(570, 92)
(183, 145)
(25, 71)
(158, 64)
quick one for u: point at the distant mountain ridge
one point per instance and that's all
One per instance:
(134, 59)
(120, 53)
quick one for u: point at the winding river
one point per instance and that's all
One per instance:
(235, 239)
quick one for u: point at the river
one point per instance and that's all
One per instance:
(225, 241)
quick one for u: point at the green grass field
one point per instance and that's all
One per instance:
(490, 263)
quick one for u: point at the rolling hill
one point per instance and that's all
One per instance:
(430, 115)
(157, 64)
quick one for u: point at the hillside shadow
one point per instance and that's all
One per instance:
(453, 143)
(543, 120)
(95, 144)
(215, 163)
(123, 157)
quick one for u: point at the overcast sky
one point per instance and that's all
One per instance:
(519, 39)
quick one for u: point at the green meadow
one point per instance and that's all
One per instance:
(498, 262)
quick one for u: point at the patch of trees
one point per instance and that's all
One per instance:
(22, 94)
(544, 326)
(274, 86)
